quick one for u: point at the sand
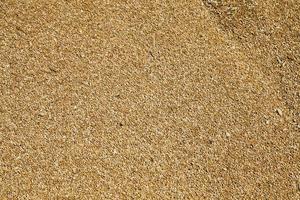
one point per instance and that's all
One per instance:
(150, 99)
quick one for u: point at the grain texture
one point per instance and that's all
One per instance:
(196, 99)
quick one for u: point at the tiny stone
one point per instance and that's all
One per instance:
(42, 113)
(227, 134)
(279, 112)
(12, 125)
(294, 147)
(115, 151)
(213, 2)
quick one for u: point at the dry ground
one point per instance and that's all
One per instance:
(153, 99)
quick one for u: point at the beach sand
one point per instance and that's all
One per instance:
(195, 99)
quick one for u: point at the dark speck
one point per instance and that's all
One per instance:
(151, 54)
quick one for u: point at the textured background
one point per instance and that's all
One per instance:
(149, 99)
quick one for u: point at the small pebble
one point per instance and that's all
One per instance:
(12, 125)
(279, 112)
(42, 113)
(227, 134)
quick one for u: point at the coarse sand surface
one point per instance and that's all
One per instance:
(161, 99)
